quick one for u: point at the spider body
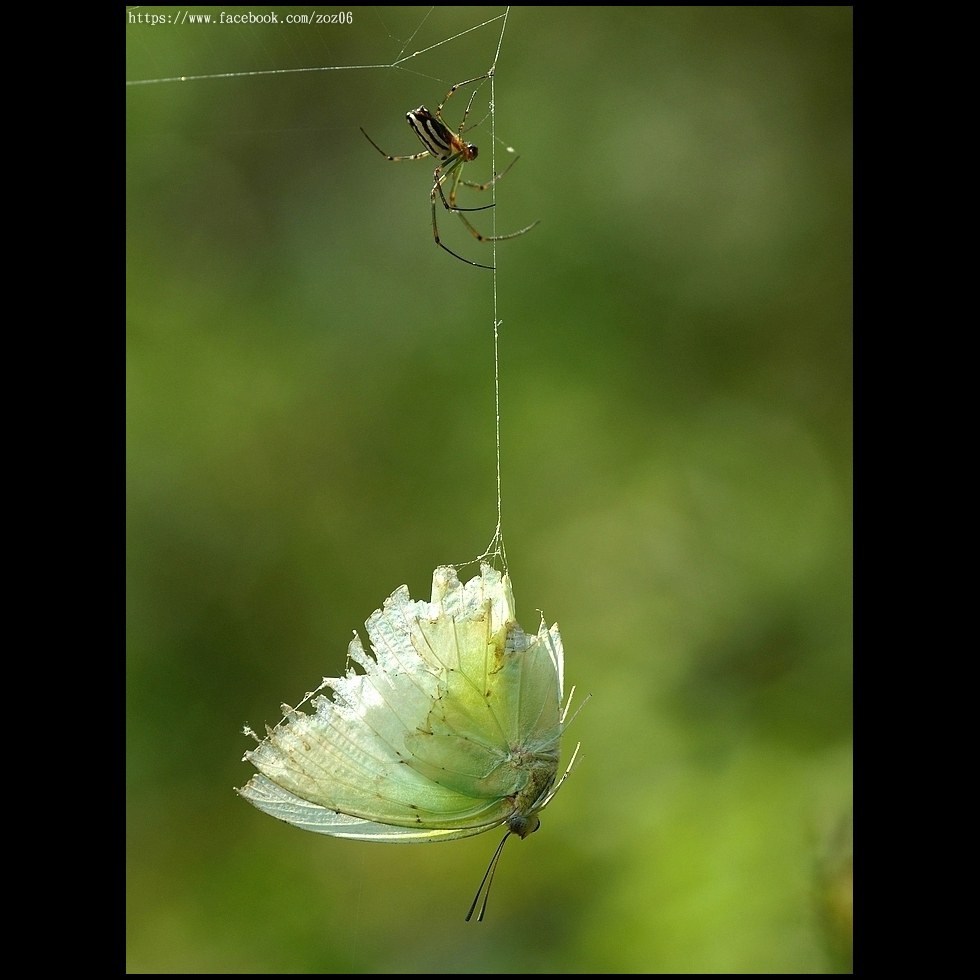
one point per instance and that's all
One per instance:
(452, 152)
(437, 138)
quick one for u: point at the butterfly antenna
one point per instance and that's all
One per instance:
(488, 881)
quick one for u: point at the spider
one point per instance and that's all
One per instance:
(452, 152)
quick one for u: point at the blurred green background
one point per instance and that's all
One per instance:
(310, 425)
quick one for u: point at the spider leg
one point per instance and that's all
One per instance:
(452, 92)
(439, 177)
(493, 180)
(450, 205)
(388, 156)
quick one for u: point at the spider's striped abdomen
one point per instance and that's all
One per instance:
(438, 139)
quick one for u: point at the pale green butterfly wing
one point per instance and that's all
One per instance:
(279, 803)
(453, 727)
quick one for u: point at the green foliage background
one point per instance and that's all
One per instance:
(310, 424)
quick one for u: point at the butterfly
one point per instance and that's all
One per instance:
(453, 727)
